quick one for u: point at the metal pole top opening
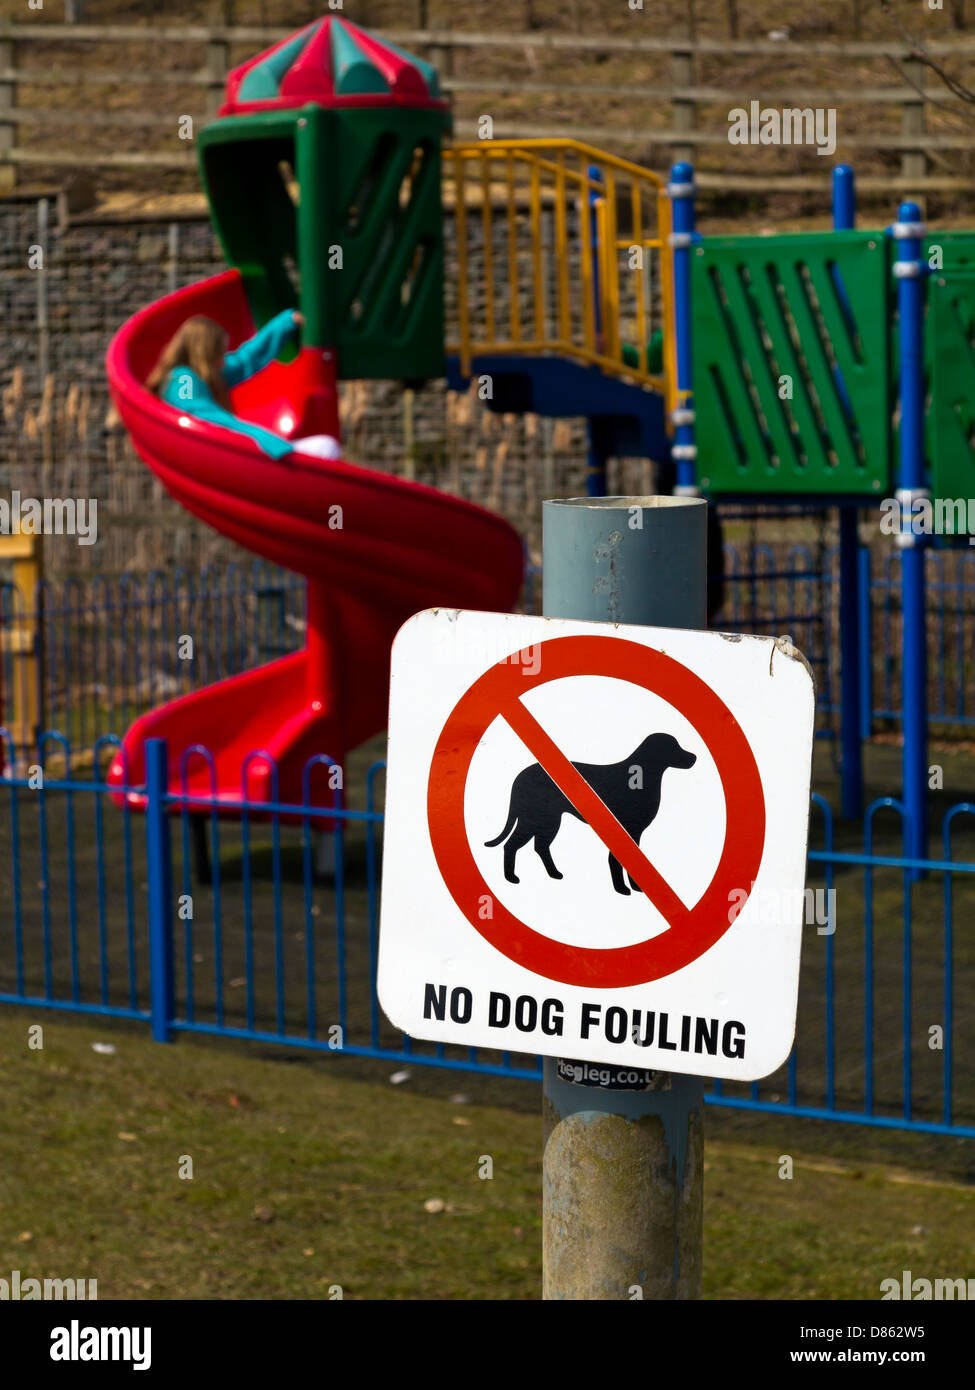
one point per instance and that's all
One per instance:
(626, 560)
(624, 503)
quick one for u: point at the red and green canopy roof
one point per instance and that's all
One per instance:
(332, 63)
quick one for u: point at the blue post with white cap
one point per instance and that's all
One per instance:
(684, 450)
(844, 198)
(908, 268)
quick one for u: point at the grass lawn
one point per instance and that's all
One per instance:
(314, 1172)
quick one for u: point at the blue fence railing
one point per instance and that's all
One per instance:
(794, 589)
(950, 587)
(90, 658)
(266, 928)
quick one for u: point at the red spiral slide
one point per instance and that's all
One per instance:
(374, 549)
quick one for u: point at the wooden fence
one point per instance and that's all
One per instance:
(219, 46)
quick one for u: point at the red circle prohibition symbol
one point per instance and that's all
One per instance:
(691, 931)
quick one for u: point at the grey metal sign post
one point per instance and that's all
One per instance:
(623, 1157)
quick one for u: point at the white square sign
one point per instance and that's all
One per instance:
(595, 841)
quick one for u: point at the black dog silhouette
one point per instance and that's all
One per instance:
(629, 788)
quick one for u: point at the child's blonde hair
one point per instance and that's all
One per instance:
(199, 344)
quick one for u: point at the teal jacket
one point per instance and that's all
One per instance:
(190, 393)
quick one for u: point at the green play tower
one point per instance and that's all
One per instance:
(323, 176)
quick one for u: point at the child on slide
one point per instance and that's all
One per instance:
(195, 372)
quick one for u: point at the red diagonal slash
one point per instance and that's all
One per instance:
(595, 812)
(497, 693)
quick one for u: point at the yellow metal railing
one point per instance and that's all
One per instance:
(20, 710)
(551, 259)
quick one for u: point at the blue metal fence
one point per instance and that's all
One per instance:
(52, 880)
(104, 911)
(794, 588)
(98, 653)
(950, 588)
(106, 652)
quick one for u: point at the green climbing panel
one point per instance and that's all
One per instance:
(949, 370)
(950, 334)
(338, 211)
(373, 176)
(957, 252)
(792, 367)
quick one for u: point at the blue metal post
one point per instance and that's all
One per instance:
(864, 593)
(684, 450)
(596, 174)
(851, 637)
(909, 272)
(595, 465)
(595, 459)
(159, 865)
(844, 199)
(851, 763)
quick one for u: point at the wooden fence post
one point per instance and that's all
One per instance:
(8, 99)
(914, 163)
(442, 56)
(682, 75)
(218, 65)
(218, 54)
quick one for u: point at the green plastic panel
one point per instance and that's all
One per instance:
(359, 248)
(810, 314)
(252, 210)
(949, 372)
(370, 180)
(957, 252)
(951, 415)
